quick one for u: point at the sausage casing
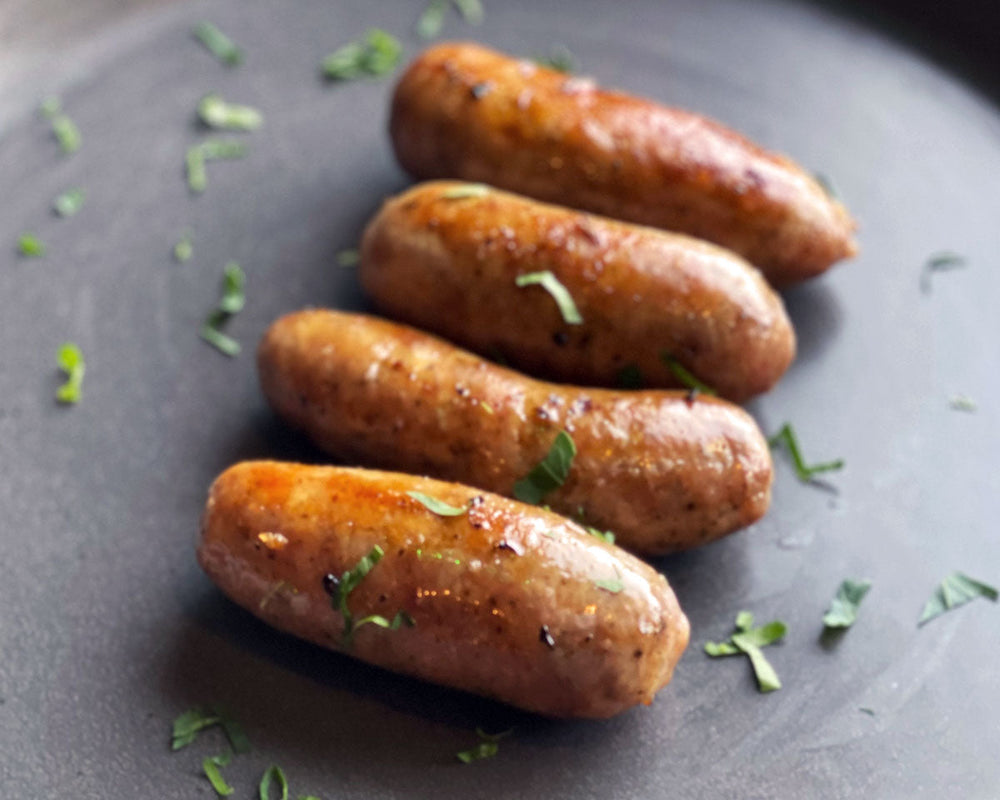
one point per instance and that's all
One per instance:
(506, 600)
(445, 257)
(662, 471)
(464, 111)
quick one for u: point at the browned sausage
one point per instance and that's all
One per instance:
(463, 111)
(445, 256)
(505, 600)
(662, 472)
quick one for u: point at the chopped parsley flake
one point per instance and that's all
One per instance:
(341, 588)
(432, 19)
(184, 248)
(215, 112)
(939, 262)
(749, 641)
(69, 202)
(487, 747)
(787, 437)
(955, 590)
(232, 301)
(218, 44)
(550, 283)
(211, 150)
(559, 59)
(69, 357)
(604, 536)
(30, 246)
(64, 129)
(844, 606)
(465, 191)
(211, 766)
(685, 377)
(471, 11)
(348, 258)
(961, 402)
(187, 726)
(375, 55)
(613, 585)
(550, 473)
(276, 774)
(439, 507)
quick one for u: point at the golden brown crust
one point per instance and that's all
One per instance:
(479, 587)
(444, 256)
(464, 111)
(662, 472)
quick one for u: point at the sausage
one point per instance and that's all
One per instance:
(662, 471)
(464, 111)
(445, 257)
(507, 600)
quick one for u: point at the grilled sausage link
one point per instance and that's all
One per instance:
(463, 111)
(660, 470)
(445, 256)
(506, 600)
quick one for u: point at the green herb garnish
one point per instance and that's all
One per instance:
(222, 342)
(218, 44)
(604, 536)
(69, 202)
(471, 11)
(559, 59)
(211, 150)
(749, 641)
(961, 402)
(550, 473)
(64, 129)
(439, 507)
(804, 472)
(844, 606)
(191, 722)
(684, 376)
(376, 54)
(954, 591)
(69, 357)
(275, 773)
(348, 258)
(613, 585)
(550, 283)
(232, 301)
(939, 262)
(432, 19)
(341, 588)
(30, 245)
(465, 191)
(184, 248)
(215, 112)
(487, 747)
(211, 766)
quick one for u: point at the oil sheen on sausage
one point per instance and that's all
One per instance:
(506, 600)
(464, 111)
(444, 256)
(661, 470)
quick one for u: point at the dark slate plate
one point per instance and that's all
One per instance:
(109, 629)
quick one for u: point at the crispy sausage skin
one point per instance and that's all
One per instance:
(506, 600)
(463, 111)
(444, 257)
(661, 471)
